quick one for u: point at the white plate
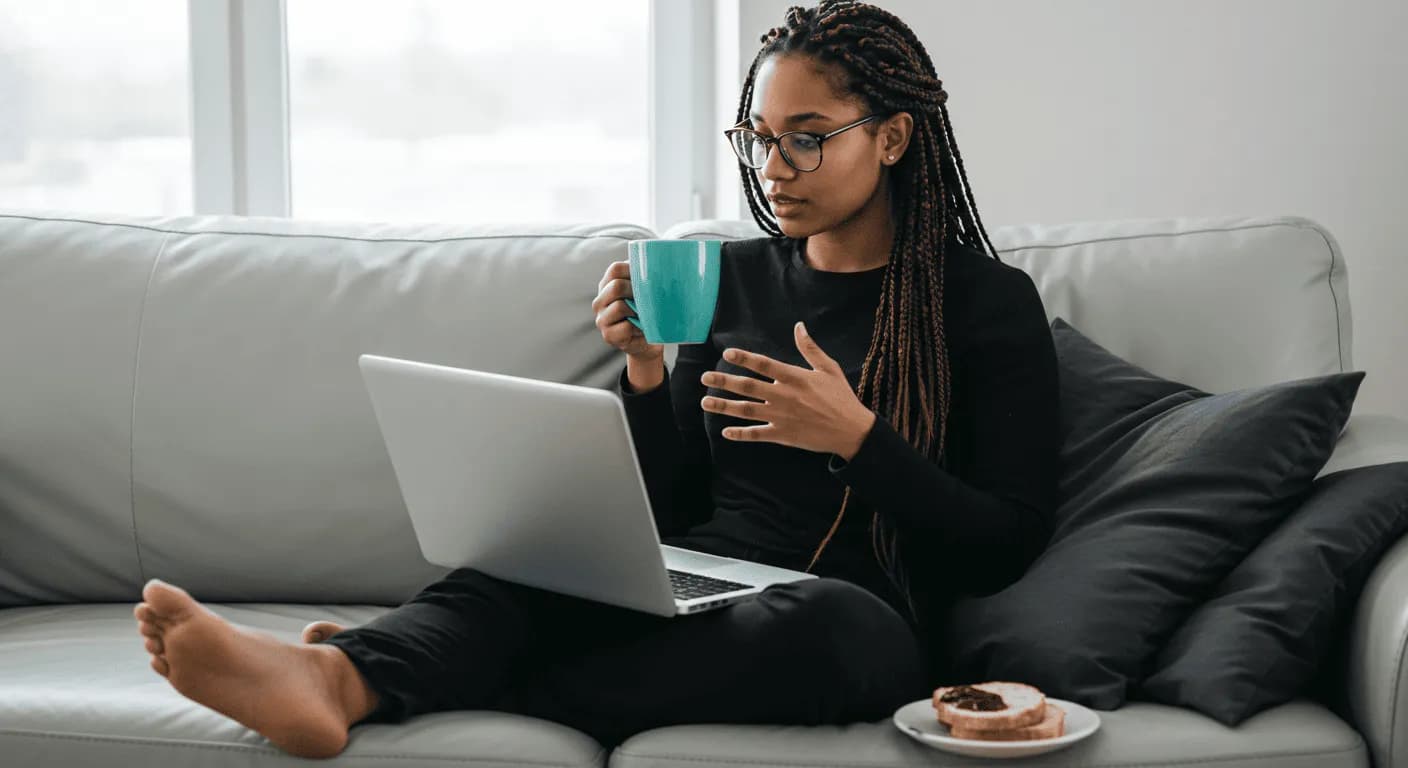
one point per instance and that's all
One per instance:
(918, 720)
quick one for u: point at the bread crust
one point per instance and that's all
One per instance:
(1051, 726)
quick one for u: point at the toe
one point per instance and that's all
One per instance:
(168, 601)
(155, 646)
(159, 664)
(319, 631)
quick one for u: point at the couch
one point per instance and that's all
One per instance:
(180, 399)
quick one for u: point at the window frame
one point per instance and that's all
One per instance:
(239, 107)
(240, 131)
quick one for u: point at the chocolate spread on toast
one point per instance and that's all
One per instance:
(974, 699)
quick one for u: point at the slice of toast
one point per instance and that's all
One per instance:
(1053, 725)
(991, 706)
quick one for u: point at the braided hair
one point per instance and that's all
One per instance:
(877, 58)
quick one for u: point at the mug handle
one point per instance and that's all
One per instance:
(634, 321)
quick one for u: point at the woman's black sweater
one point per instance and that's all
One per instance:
(970, 527)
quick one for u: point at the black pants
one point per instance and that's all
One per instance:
(821, 651)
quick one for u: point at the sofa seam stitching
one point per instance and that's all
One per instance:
(313, 235)
(1330, 282)
(1280, 222)
(252, 748)
(692, 235)
(132, 412)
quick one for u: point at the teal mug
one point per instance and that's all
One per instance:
(676, 289)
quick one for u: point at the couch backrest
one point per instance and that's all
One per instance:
(1220, 304)
(180, 398)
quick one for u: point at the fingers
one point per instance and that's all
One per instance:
(616, 269)
(742, 409)
(619, 270)
(613, 313)
(155, 646)
(760, 432)
(614, 328)
(613, 321)
(159, 664)
(773, 369)
(614, 291)
(743, 385)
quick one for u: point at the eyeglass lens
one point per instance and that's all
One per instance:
(801, 150)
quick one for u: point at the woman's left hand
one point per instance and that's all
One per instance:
(809, 408)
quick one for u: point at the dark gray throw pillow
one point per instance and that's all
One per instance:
(1164, 488)
(1271, 624)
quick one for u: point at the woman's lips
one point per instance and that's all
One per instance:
(782, 205)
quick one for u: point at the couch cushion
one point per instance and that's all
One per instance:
(76, 690)
(69, 308)
(1163, 489)
(193, 409)
(1270, 625)
(1295, 735)
(1219, 304)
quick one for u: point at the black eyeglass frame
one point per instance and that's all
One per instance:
(769, 141)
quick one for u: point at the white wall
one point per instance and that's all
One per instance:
(1102, 109)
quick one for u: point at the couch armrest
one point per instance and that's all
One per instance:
(1377, 678)
(1369, 438)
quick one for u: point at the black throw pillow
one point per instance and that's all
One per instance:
(1164, 488)
(1260, 640)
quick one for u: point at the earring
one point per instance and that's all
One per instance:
(892, 157)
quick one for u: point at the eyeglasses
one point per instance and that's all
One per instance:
(801, 149)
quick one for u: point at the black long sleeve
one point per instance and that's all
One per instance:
(1004, 500)
(671, 444)
(978, 518)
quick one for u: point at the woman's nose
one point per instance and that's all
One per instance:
(776, 167)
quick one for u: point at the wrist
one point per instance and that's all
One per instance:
(644, 374)
(860, 430)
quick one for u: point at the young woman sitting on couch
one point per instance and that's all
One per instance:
(920, 395)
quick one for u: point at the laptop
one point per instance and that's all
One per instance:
(537, 483)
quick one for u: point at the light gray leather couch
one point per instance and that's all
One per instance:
(180, 398)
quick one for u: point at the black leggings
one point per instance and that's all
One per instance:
(820, 651)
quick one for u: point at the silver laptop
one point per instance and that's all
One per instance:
(537, 483)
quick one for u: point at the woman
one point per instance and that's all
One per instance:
(919, 395)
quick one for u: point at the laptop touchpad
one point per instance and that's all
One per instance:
(675, 557)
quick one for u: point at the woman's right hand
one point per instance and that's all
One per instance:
(611, 313)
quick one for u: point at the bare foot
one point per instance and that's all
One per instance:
(319, 631)
(302, 698)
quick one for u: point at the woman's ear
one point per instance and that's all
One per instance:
(894, 137)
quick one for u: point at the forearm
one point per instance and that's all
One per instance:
(919, 496)
(667, 429)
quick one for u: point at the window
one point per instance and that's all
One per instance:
(94, 106)
(470, 111)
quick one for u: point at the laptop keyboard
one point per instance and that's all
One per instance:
(688, 586)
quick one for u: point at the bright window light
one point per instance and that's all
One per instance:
(469, 111)
(94, 106)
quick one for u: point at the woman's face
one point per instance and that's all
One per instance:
(791, 93)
